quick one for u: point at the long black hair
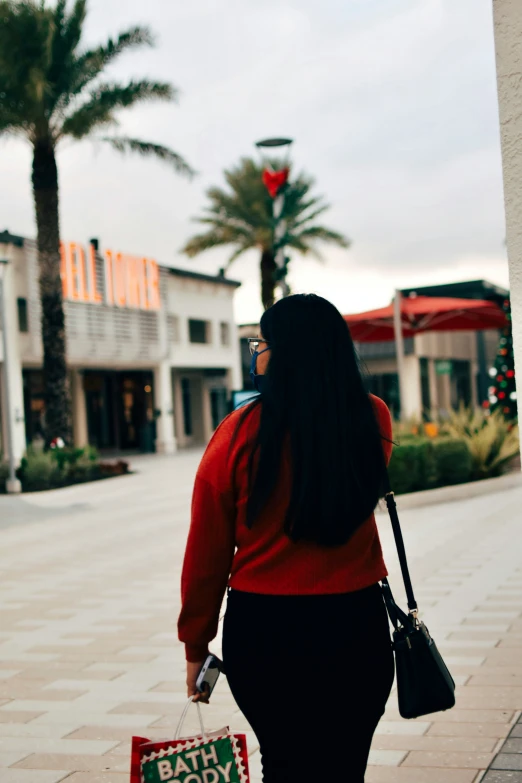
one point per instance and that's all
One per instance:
(314, 401)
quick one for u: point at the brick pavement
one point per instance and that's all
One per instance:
(88, 651)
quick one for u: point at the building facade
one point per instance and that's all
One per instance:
(442, 371)
(153, 351)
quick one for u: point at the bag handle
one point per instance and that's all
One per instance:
(184, 715)
(397, 616)
(389, 497)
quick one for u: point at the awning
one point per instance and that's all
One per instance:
(426, 314)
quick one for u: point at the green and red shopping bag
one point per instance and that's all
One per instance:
(217, 757)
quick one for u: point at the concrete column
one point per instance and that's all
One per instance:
(198, 408)
(444, 388)
(411, 405)
(79, 410)
(474, 373)
(508, 43)
(179, 430)
(207, 413)
(164, 405)
(432, 378)
(16, 389)
(236, 371)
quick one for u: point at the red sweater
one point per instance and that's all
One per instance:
(222, 551)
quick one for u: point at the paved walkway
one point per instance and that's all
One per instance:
(88, 650)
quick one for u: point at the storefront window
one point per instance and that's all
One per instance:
(386, 386)
(23, 318)
(460, 383)
(100, 401)
(187, 406)
(425, 387)
(199, 331)
(218, 406)
(34, 404)
(120, 413)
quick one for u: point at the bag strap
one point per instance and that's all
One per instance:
(399, 543)
(184, 715)
(397, 616)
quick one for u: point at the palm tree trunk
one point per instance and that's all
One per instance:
(56, 381)
(268, 277)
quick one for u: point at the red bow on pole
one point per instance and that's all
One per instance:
(274, 180)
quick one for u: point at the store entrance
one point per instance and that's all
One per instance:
(120, 410)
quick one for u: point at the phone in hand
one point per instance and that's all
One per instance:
(208, 676)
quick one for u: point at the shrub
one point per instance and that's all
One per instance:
(413, 466)
(81, 470)
(4, 474)
(453, 460)
(428, 468)
(419, 464)
(41, 470)
(404, 468)
(67, 457)
(38, 471)
(493, 441)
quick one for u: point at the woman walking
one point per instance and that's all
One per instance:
(282, 514)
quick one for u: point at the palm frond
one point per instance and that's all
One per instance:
(322, 234)
(222, 233)
(315, 213)
(25, 43)
(73, 27)
(91, 63)
(100, 108)
(201, 242)
(146, 148)
(239, 229)
(295, 242)
(11, 124)
(234, 214)
(66, 35)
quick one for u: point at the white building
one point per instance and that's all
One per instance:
(153, 352)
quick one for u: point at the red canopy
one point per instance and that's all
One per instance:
(426, 314)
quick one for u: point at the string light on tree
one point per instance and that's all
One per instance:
(502, 392)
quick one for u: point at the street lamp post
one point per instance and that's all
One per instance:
(276, 190)
(13, 485)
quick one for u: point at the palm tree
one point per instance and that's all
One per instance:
(52, 89)
(242, 217)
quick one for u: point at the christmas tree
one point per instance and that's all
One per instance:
(502, 392)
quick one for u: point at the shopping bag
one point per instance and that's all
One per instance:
(214, 757)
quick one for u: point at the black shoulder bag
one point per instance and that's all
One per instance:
(424, 683)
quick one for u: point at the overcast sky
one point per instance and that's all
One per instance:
(393, 108)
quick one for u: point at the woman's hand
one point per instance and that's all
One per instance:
(193, 670)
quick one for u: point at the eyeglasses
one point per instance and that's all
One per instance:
(253, 344)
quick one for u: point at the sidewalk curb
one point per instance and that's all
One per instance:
(431, 497)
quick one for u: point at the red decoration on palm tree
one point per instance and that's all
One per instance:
(275, 180)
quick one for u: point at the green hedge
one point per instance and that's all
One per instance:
(424, 464)
(454, 461)
(40, 470)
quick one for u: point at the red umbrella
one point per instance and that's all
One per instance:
(426, 314)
